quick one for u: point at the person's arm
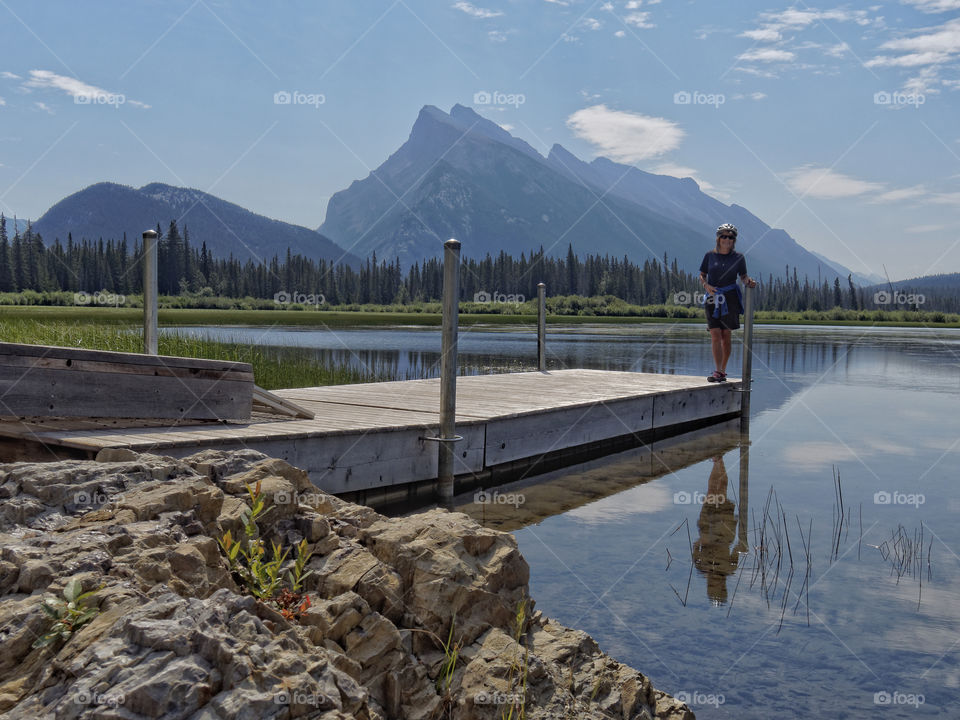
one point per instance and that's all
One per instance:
(703, 275)
(746, 279)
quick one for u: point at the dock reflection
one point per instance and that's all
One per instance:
(582, 488)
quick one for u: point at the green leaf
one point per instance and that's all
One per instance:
(72, 589)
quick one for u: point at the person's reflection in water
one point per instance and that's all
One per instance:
(714, 552)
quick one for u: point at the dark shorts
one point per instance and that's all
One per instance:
(729, 321)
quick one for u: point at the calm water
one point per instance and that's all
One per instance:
(678, 559)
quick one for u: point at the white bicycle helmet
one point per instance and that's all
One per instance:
(727, 228)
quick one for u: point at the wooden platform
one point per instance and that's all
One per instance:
(373, 436)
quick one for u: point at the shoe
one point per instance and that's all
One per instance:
(723, 376)
(717, 376)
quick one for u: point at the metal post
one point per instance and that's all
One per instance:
(150, 292)
(743, 510)
(747, 358)
(448, 370)
(542, 327)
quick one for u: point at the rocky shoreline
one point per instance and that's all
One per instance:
(426, 616)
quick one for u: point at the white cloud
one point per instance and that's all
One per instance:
(945, 199)
(639, 19)
(75, 88)
(620, 34)
(497, 36)
(475, 11)
(507, 126)
(931, 46)
(767, 55)
(43, 106)
(625, 136)
(558, 2)
(825, 184)
(838, 50)
(764, 34)
(633, 4)
(2, 101)
(909, 193)
(9, 75)
(681, 171)
(934, 6)
(592, 24)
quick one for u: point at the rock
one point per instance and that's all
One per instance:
(176, 637)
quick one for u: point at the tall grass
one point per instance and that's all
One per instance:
(272, 367)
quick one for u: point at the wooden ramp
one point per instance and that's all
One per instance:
(374, 436)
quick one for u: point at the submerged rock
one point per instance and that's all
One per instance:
(426, 616)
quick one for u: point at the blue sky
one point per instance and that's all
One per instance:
(836, 122)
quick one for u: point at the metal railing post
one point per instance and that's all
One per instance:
(150, 346)
(448, 370)
(747, 358)
(541, 327)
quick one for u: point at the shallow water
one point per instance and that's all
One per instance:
(870, 624)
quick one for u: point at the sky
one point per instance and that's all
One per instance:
(836, 122)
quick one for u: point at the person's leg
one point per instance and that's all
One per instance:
(716, 345)
(725, 348)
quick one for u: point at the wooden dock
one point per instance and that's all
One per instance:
(373, 437)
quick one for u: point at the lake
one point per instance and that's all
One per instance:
(811, 569)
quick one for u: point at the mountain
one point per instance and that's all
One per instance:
(107, 210)
(858, 278)
(461, 175)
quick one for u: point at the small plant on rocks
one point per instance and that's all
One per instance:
(68, 613)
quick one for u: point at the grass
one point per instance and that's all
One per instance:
(272, 367)
(368, 318)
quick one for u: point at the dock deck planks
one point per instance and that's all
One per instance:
(372, 435)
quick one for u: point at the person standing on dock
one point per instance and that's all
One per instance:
(724, 300)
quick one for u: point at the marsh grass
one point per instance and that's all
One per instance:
(272, 367)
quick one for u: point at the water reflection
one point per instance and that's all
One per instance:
(716, 551)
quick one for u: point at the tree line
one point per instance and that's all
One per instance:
(27, 263)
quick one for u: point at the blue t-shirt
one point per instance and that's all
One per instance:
(723, 270)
